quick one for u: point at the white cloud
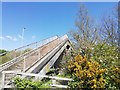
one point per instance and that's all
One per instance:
(33, 37)
(2, 38)
(11, 38)
(14, 39)
(20, 36)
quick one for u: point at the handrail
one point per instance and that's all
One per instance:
(15, 60)
(21, 57)
(30, 75)
(38, 58)
(63, 40)
(36, 75)
(34, 43)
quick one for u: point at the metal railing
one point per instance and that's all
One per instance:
(32, 45)
(36, 76)
(62, 40)
(17, 59)
(51, 58)
(51, 52)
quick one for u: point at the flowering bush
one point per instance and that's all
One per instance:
(108, 57)
(113, 77)
(99, 68)
(86, 73)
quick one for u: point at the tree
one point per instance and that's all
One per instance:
(105, 45)
(85, 34)
(109, 29)
(2, 51)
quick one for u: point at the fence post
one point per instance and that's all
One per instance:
(38, 51)
(3, 79)
(24, 64)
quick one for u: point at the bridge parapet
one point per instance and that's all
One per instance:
(35, 46)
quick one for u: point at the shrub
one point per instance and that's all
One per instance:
(28, 83)
(86, 73)
(108, 57)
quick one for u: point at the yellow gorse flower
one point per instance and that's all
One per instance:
(85, 69)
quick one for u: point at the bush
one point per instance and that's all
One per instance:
(86, 73)
(107, 56)
(102, 58)
(28, 83)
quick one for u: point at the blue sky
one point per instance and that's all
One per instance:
(42, 20)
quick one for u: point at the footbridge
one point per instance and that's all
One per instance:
(38, 59)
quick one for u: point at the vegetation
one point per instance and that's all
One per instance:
(28, 83)
(27, 50)
(2, 51)
(89, 73)
(100, 67)
(86, 73)
(108, 58)
(11, 54)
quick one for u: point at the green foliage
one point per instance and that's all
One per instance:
(25, 83)
(2, 51)
(10, 55)
(107, 55)
(27, 50)
(113, 77)
(28, 83)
